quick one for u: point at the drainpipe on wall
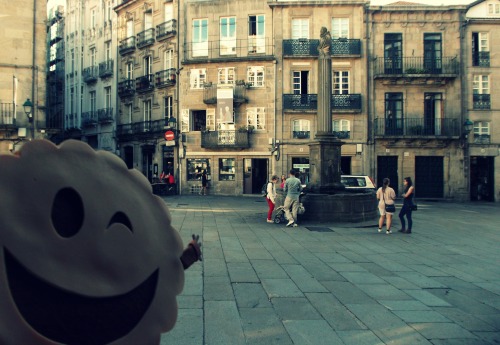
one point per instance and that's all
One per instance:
(34, 71)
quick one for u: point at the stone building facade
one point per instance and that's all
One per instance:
(415, 119)
(297, 27)
(481, 62)
(22, 72)
(148, 68)
(90, 73)
(231, 87)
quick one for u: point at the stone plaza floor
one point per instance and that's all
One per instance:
(329, 283)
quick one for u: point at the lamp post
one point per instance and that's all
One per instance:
(28, 108)
(467, 128)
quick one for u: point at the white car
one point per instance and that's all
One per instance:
(360, 182)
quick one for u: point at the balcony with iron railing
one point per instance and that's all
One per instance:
(145, 38)
(145, 83)
(7, 116)
(89, 119)
(481, 59)
(342, 134)
(481, 101)
(346, 103)
(252, 48)
(106, 69)
(166, 29)
(90, 74)
(482, 139)
(105, 115)
(301, 134)
(126, 88)
(225, 139)
(341, 47)
(142, 129)
(210, 93)
(165, 78)
(416, 67)
(339, 103)
(417, 128)
(127, 45)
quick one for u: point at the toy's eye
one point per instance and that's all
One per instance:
(121, 218)
(67, 212)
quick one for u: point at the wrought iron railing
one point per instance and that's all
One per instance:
(145, 38)
(126, 88)
(144, 83)
(105, 115)
(166, 29)
(210, 93)
(106, 68)
(127, 45)
(309, 47)
(301, 134)
(225, 138)
(237, 48)
(90, 74)
(481, 101)
(483, 139)
(346, 102)
(481, 59)
(416, 66)
(89, 119)
(7, 114)
(417, 127)
(165, 78)
(141, 129)
(342, 134)
(300, 102)
(350, 102)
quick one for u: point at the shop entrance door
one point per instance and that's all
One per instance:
(255, 174)
(481, 178)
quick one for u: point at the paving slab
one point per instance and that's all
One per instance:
(263, 327)
(311, 332)
(251, 295)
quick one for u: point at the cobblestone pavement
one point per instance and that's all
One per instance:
(331, 283)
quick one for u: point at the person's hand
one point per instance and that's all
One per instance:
(192, 253)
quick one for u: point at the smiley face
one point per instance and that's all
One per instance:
(88, 254)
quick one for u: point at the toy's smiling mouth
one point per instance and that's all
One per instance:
(70, 318)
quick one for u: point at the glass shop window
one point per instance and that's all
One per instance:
(195, 167)
(227, 169)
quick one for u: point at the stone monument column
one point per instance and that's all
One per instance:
(325, 150)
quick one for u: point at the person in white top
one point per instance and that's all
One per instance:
(271, 197)
(386, 196)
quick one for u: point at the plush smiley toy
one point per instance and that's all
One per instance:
(87, 252)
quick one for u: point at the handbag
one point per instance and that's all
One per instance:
(388, 208)
(414, 207)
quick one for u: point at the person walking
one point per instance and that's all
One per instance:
(386, 197)
(283, 179)
(292, 191)
(406, 210)
(204, 182)
(271, 197)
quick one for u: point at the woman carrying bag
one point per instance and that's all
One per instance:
(408, 206)
(386, 207)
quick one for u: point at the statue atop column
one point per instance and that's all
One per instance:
(325, 41)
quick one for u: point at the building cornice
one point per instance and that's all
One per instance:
(288, 3)
(124, 4)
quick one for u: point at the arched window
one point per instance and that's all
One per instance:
(342, 128)
(301, 129)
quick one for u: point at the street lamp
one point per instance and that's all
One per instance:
(28, 110)
(172, 122)
(468, 125)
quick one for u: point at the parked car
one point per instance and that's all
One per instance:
(358, 182)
